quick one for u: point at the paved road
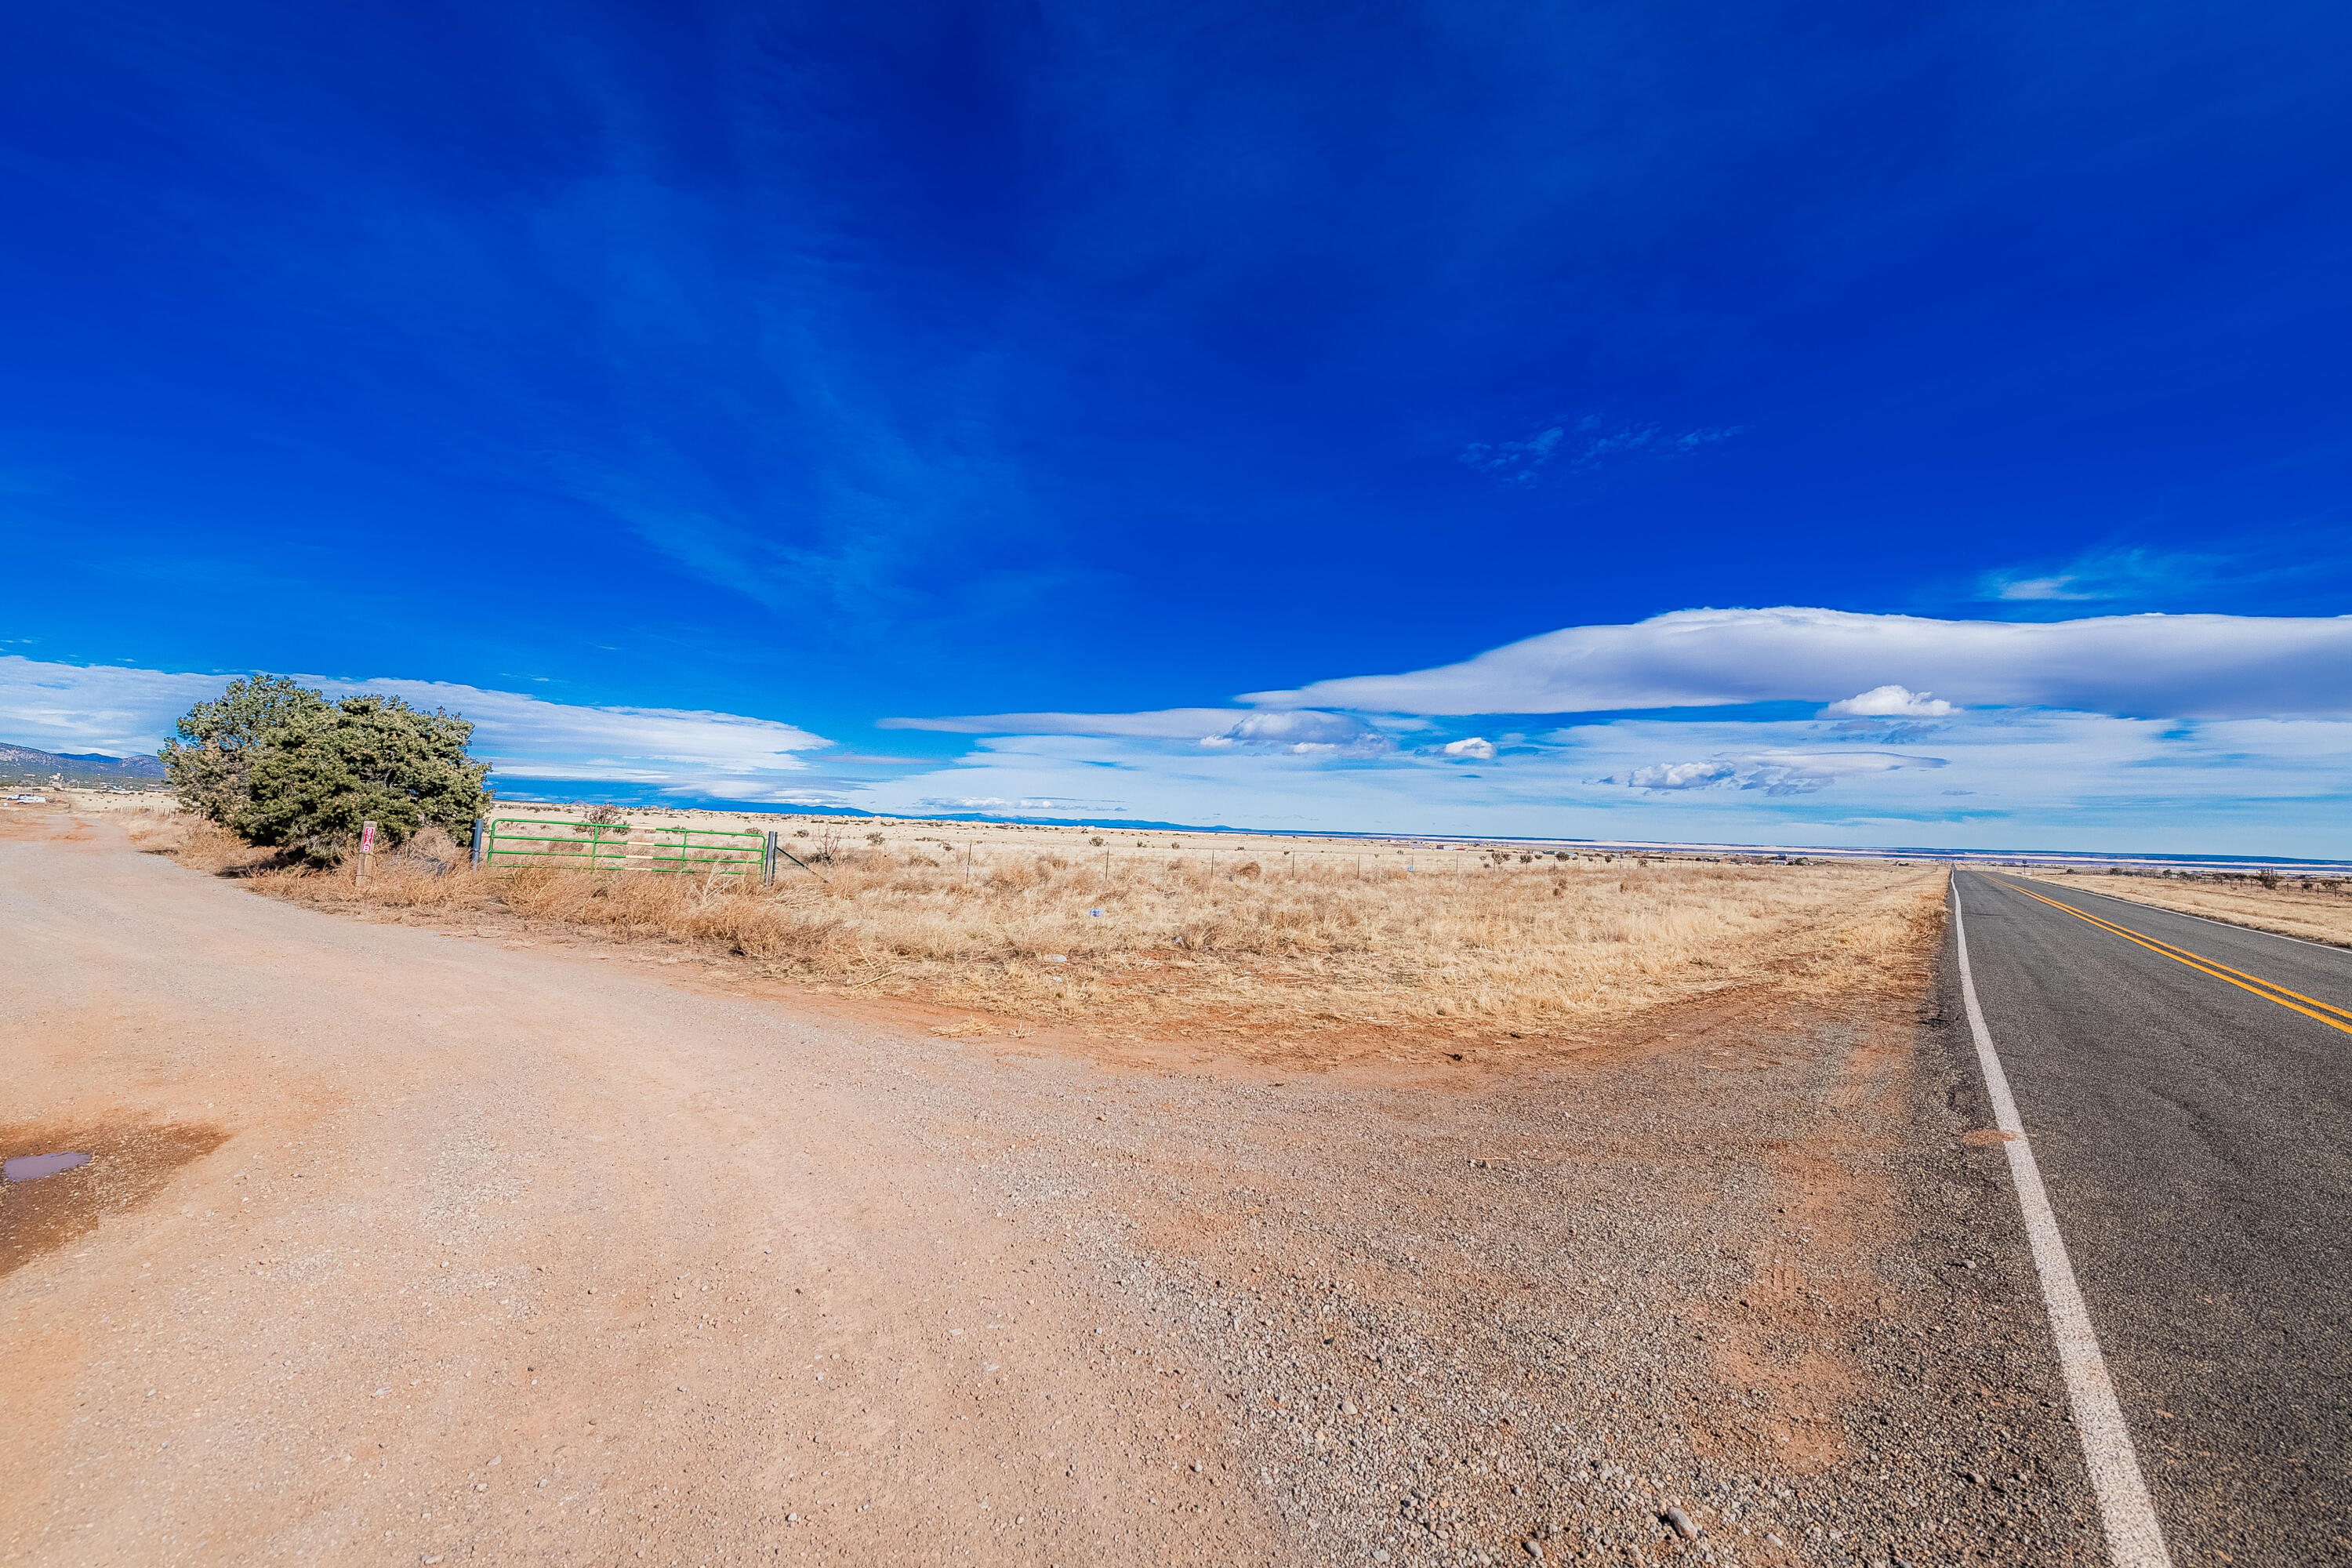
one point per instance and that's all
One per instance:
(2196, 1140)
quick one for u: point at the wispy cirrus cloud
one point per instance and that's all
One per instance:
(2099, 576)
(1583, 444)
(2289, 567)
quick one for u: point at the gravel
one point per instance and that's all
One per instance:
(1741, 1294)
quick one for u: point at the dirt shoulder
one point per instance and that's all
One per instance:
(2296, 908)
(404, 1246)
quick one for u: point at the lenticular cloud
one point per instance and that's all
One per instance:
(1305, 732)
(1773, 772)
(2131, 666)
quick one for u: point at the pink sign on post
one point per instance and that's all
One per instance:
(367, 837)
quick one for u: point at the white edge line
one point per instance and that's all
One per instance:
(2135, 1539)
(2208, 919)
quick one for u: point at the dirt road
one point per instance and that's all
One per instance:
(402, 1246)
(526, 1255)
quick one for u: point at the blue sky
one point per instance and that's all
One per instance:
(698, 394)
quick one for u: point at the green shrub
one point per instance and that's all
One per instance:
(370, 759)
(211, 762)
(280, 767)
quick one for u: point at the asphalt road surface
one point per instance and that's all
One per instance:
(2194, 1131)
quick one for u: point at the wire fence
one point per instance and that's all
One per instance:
(513, 842)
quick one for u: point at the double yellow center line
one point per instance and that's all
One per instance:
(2327, 1012)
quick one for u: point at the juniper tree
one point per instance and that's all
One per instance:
(368, 759)
(211, 762)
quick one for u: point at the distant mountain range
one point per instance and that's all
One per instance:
(25, 764)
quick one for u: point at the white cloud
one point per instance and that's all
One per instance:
(2008, 778)
(1304, 731)
(2161, 731)
(1774, 772)
(2001, 775)
(1166, 723)
(531, 738)
(2178, 666)
(95, 708)
(1888, 702)
(1679, 775)
(60, 707)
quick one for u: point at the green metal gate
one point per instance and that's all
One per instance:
(516, 841)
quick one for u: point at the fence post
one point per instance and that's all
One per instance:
(768, 859)
(480, 848)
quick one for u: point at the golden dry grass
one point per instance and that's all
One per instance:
(2315, 911)
(1542, 947)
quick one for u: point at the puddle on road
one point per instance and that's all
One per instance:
(33, 1167)
(122, 1166)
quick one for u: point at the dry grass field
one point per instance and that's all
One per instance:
(1195, 934)
(2298, 906)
